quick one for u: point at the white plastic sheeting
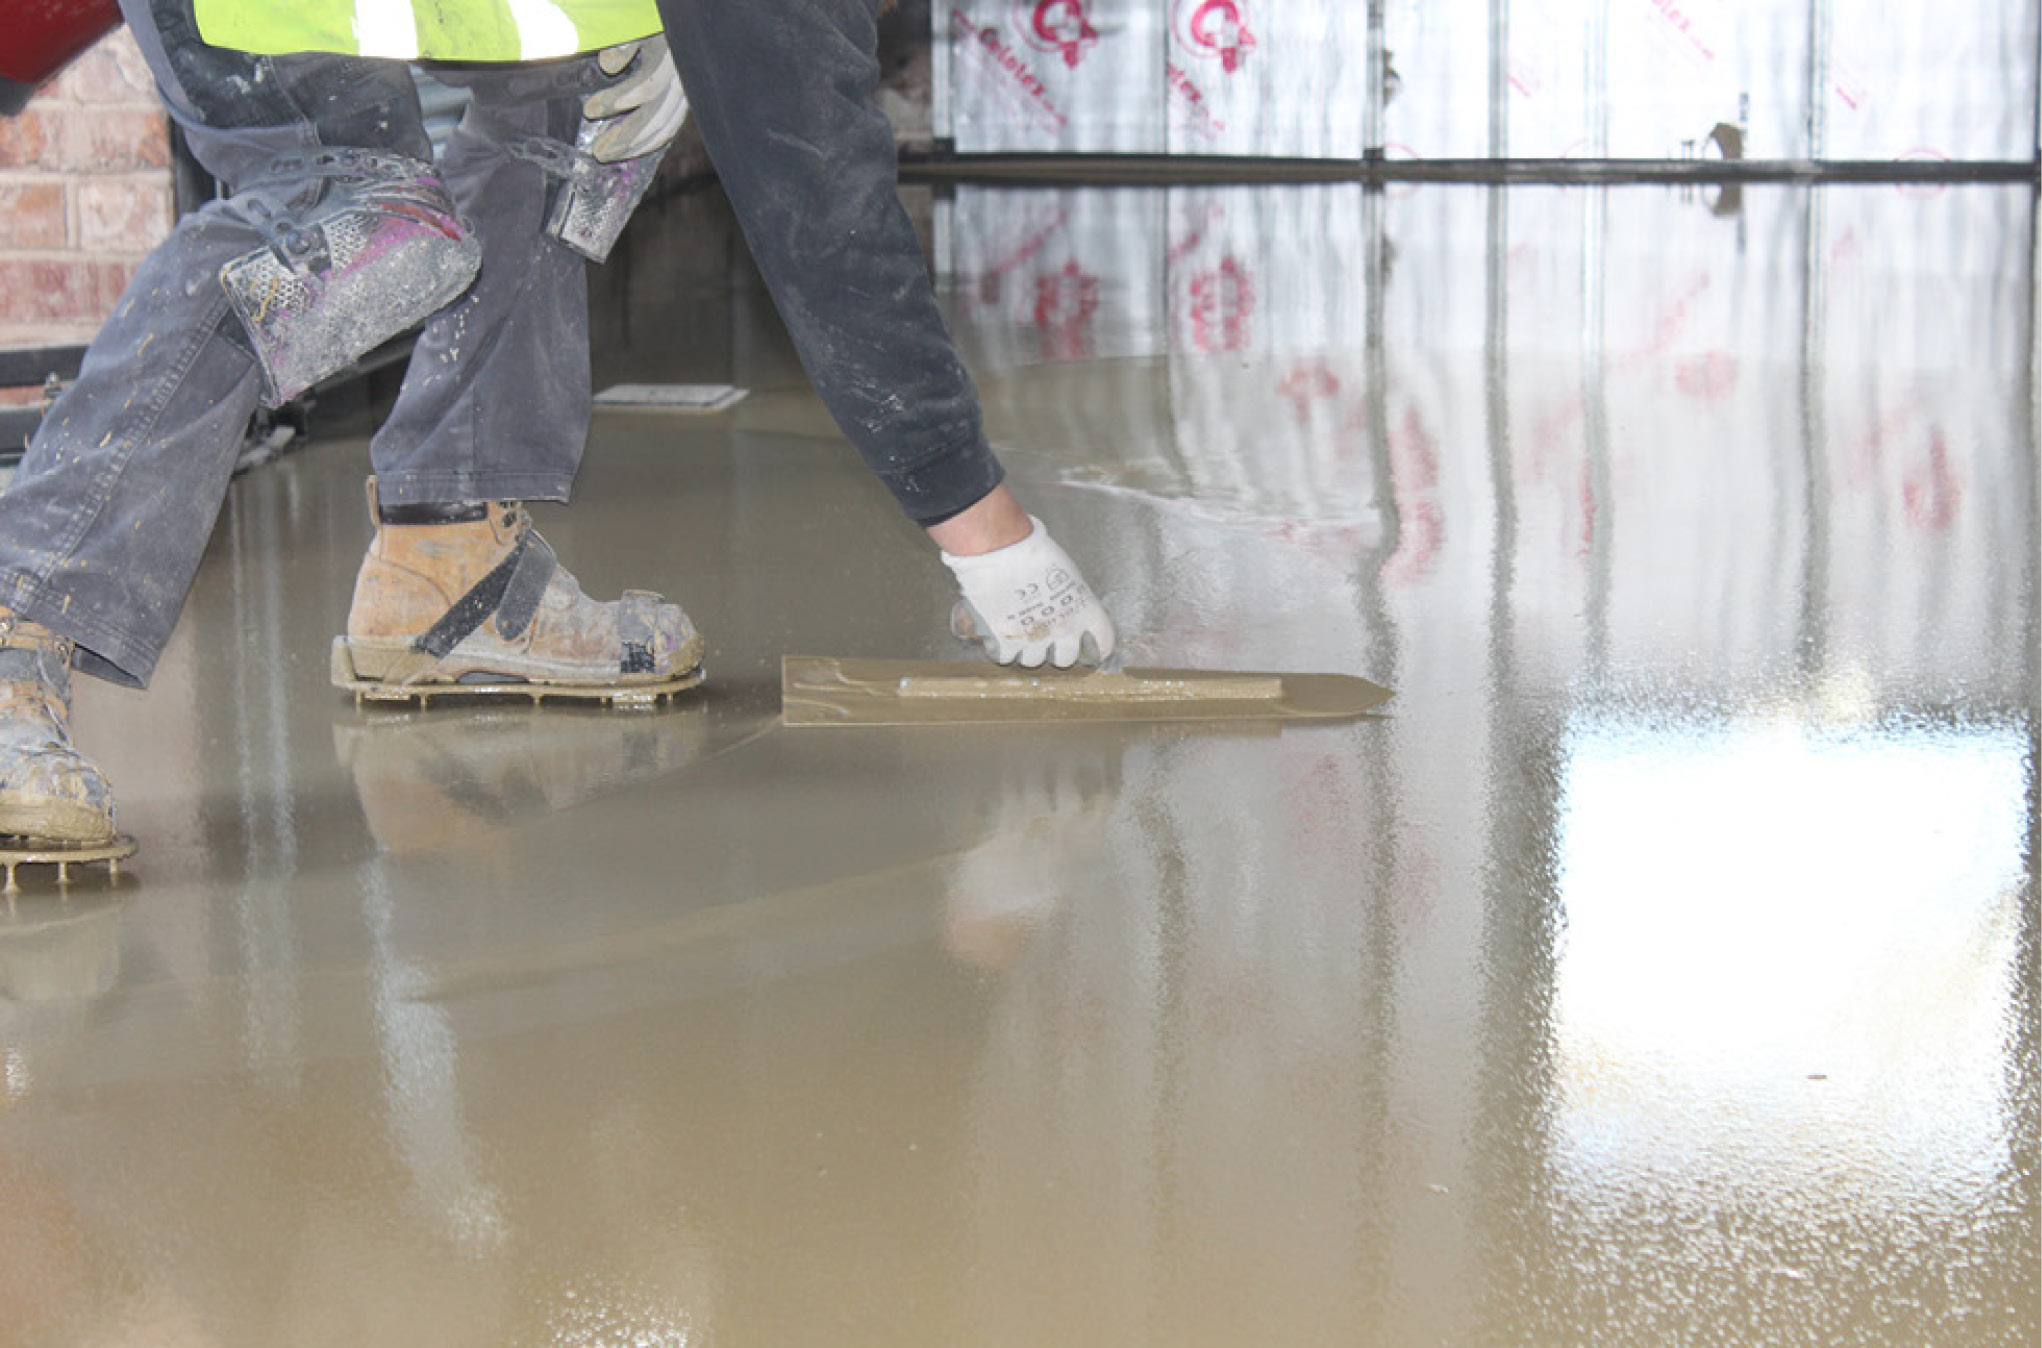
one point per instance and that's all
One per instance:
(1169, 76)
(1863, 80)
(1239, 315)
(1710, 423)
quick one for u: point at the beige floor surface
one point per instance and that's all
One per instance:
(1659, 968)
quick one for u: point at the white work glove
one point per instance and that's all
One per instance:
(643, 106)
(1026, 604)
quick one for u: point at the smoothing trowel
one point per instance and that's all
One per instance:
(820, 690)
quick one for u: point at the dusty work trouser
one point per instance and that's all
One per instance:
(102, 528)
(782, 91)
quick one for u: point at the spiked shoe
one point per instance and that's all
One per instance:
(471, 599)
(49, 792)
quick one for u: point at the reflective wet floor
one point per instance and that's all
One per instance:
(1659, 967)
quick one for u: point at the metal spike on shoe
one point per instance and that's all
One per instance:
(421, 693)
(55, 805)
(18, 852)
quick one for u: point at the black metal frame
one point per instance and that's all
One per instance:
(942, 164)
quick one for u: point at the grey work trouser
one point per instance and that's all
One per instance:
(102, 529)
(782, 91)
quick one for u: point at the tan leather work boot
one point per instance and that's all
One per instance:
(49, 792)
(475, 596)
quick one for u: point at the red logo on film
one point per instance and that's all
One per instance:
(1062, 26)
(1222, 303)
(1216, 28)
(1011, 71)
(1065, 302)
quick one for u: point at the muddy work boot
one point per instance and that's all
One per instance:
(469, 599)
(49, 792)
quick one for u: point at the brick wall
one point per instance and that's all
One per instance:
(85, 192)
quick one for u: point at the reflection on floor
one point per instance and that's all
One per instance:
(1660, 969)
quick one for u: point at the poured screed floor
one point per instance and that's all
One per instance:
(1658, 966)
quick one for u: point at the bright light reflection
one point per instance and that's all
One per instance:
(1789, 952)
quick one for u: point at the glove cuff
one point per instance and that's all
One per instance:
(1038, 540)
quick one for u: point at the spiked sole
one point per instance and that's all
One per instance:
(627, 691)
(19, 851)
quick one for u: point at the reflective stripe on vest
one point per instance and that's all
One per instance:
(438, 30)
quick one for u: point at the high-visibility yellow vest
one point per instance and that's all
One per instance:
(427, 30)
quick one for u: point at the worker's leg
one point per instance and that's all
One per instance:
(495, 405)
(782, 91)
(103, 525)
(456, 587)
(102, 528)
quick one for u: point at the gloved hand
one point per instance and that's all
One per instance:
(1026, 604)
(642, 108)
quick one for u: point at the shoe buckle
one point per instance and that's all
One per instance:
(12, 637)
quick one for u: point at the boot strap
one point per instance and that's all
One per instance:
(35, 656)
(510, 594)
(452, 512)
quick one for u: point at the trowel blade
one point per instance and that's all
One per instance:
(821, 690)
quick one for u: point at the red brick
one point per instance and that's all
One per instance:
(24, 139)
(120, 45)
(129, 214)
(108, 140)
(74, 138)
(33, 215)
(112, 72)
(48, 291)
